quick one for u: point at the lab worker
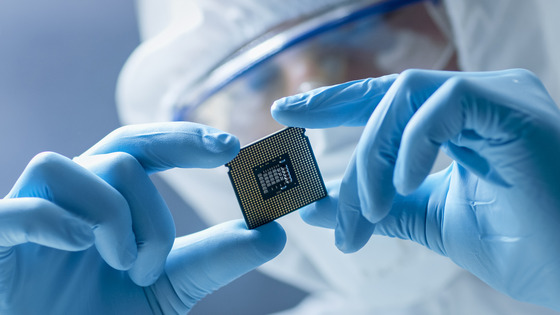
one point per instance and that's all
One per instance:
(224, 66)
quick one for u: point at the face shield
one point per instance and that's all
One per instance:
(227, 67)
(356, 40)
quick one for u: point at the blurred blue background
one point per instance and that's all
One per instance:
(59, 62)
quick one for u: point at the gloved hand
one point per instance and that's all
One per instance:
(60, 207)
(495, 211)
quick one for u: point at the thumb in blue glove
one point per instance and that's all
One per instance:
(59, 208)
(494, 212)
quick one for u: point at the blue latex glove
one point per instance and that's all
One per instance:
(494, 212)
(59, 208)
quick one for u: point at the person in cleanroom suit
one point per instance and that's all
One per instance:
(224, 65)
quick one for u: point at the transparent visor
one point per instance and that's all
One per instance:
(365, 39)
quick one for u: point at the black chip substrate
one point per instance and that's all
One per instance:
(275, 176)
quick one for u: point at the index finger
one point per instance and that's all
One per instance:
(161, 146)
(346, 104)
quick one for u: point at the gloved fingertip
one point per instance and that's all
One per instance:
(343, 245)
(405, 188)
(287, 110)
(81, 236)
(145, 279)
(321, 213)
(277, 106)
(375, 199)
(312, 216)
(406, 184)
(377, 211)
(124, 257)
(352, 230)
(271, 240)
(227, 139)
(128, 258)
(279, 113)
(289, 102)
(222, 143)
(372, 217)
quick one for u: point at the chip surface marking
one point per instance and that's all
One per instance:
(275, 176)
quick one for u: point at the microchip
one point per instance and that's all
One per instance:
(275, 176)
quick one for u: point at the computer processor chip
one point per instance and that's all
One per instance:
(275, 176)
